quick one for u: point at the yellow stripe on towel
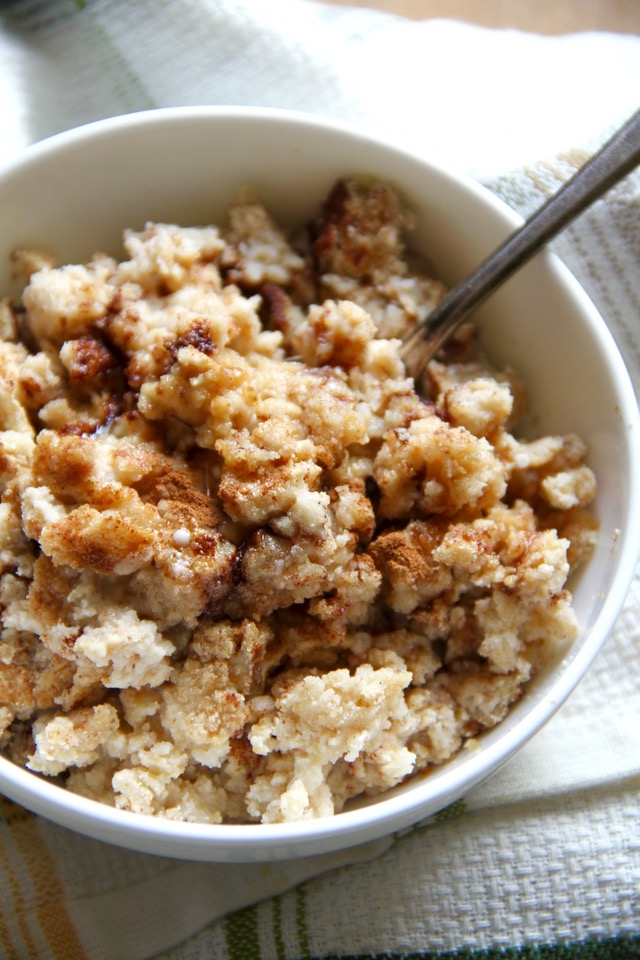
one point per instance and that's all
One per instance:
(47, 903)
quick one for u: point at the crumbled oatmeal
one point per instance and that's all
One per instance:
(247, 573)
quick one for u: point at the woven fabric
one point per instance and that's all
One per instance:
(543, 860)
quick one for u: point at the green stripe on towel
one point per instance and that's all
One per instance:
(613, 948)
(276, 923)
(301, 923)
(241, 935)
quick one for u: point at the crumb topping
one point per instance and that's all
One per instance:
(247, 573)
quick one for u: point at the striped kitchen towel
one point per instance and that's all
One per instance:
(543, 861)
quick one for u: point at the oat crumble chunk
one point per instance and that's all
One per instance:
(247, 574)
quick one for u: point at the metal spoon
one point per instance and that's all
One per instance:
(618, 157)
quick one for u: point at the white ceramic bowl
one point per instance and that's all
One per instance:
(76, 193)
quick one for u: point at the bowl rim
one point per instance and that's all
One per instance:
(385, 813)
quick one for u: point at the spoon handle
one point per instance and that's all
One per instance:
(618, 157)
